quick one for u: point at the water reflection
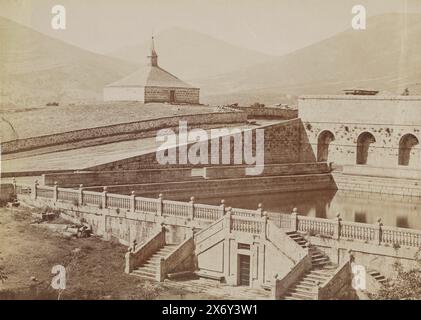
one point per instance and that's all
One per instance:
(363, 207)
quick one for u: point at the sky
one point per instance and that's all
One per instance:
(269, 26)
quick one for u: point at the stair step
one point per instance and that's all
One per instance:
(300, 295)
(305, 287)
(308, 282)
(149, 269)
(150, 262)
(321, 272)
(144, 274)
(315, 278)
(291, 298)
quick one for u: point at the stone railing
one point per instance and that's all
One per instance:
(241, 220)
(339, 229)
(170, 262)
(251, 225)
(286, 244)
(281, 285)
(136, 256)
(131, 203)
(64, 194)
(208, 232)
(341, 278)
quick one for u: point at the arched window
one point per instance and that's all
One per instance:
(323, 142)
(406, 145)
(364, 141)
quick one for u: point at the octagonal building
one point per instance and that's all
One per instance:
(151, 83)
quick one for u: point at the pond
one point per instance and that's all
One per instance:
(399, 211)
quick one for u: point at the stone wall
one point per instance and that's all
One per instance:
(280, 145)
(268, 112)
(227, 187)
(121, 129)
(182, 95)
(106, 178)
(346, 118)
(225, 172)
(6, 192)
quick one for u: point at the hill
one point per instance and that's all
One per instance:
(385, 56)
(189, 54)
(35, 69)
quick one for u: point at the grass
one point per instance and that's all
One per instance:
(64, 118)
(94, 268)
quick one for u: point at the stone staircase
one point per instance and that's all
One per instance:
(378, 276)
(322, 269)
(148, 270)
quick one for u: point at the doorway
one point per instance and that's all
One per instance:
(172, 96)
(244, 269)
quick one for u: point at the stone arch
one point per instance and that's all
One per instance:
(364, 141)
(323, 142)
(406, 145)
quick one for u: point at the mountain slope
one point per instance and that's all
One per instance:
(35, 68)
(386, 56)
(189, 54)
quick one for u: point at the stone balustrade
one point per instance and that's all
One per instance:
(241, 220)
(169, 263)
(136, 256)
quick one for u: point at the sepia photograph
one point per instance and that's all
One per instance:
(217, 150)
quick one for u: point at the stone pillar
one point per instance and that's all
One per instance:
(222, 207)
(104, 222)
(294, 219)
(228, 220)
(160, 205)
(265, 224)
(80, 198)
(104, 198)
(259, 209)
(378, 232)
(337, 229)
(14, 185)
(129, 261)
(34, 190)
(133, 202)
(191, 209)
(55, 192)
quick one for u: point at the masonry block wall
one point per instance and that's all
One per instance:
(386, 128)
(182, 95)
(129, 130)
(281, 145)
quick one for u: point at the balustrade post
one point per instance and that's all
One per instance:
(378, 232)
(337, 228)
(259, 209)
(14, 185)
(129, 261)
(191, 208)
(228, 219)
(265, 224)
(160, 205)
(133, 202)
(104, 198)
(319, 289)
(222, 207)
(55, 191)
(294, 219)
(34, 190)
(80, 195)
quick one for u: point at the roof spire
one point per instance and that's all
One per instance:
(153, 56)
